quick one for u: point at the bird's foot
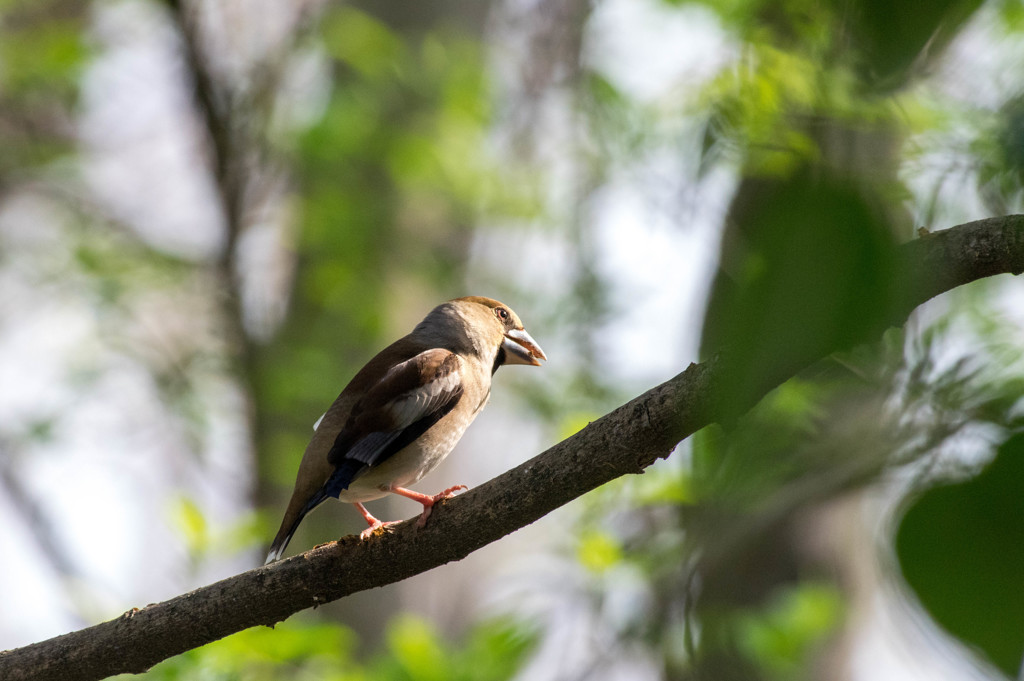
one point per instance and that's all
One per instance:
(446, 494)
(427, 500)
(377, 526)
(374, 524)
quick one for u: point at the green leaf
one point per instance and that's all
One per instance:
(783, 637)
(42, 56)
(191, 524)
(293, 650)
(418, 649)
(807, 271)
(598, 551)
(363, 42)
(961, 549)
(495, 651)
(893, 34)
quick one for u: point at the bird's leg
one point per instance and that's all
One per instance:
(373, 523)
(427, 500)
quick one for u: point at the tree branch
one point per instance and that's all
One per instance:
(627, 440)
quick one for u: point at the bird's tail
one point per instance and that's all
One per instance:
(284, 535)
(339, 481)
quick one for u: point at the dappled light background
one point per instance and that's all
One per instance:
(213, 213)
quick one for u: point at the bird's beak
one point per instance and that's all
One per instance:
(520, 348)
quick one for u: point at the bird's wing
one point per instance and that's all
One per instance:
(408, 400)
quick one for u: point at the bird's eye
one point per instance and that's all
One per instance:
(502, 313)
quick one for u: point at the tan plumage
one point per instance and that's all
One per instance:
(406, 409)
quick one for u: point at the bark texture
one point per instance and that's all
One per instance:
(627, 440)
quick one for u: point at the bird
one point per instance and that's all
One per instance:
(404, 412)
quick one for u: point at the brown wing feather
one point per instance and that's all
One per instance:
(411, 397)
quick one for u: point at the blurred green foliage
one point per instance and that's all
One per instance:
(492, 650)
(42, 55)
(1000, 153)
(784, 634)
(812, 274)
(598, 551)
(961, 549)
(891, 37)
(885, 42)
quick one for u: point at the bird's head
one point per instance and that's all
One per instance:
(485, 327)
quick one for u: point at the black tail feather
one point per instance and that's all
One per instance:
(282, 538)
(342, 477)
(339, 481)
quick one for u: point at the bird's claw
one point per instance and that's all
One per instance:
(377, 526)
(441, 496)
(448, 493)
